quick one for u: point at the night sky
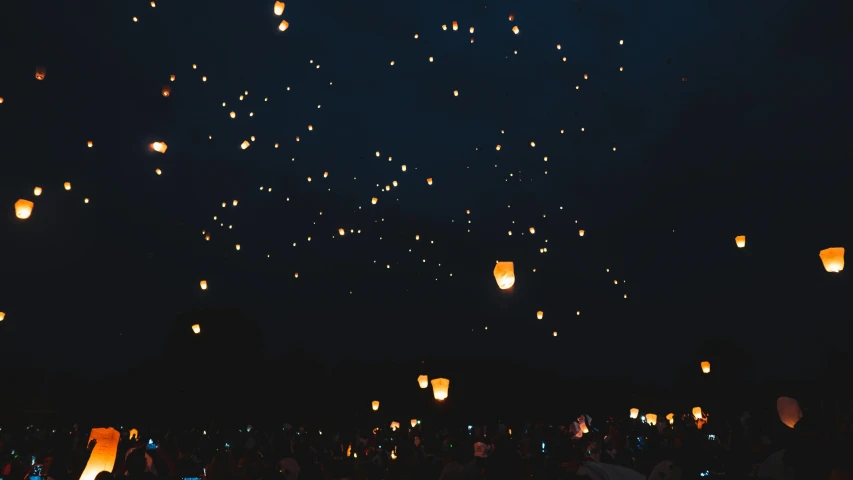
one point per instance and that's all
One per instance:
(726, 120)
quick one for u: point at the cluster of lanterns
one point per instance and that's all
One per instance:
(440, 391)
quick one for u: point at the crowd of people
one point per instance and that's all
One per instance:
(679, 447)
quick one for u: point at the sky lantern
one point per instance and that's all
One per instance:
(245, 144)
(789, 411)
(540, 314)
(634, 412)
(511, 16)
(440, 386)
(310, 128)
(455, 25)
(374, 405)
(403, 167)
(2, 316)
(444, 27)
(374, 200)
(203, 284)
(423, 381)
(341, 232)
(40, 73)
(233, 114)
(581, 232)
(515, 29)
(1, 99)
(697, 413)
(171, 78)
(456, 93)
(159, 147)
(67, 185)
(278, 8)
(237, 246)
(505, 275)
(429, 181)
(325, 174)
(533, 144)
(532, 230)
(471, 30)
(651, 419)
(414, 422)
(833, 259)
(196, 329)
(395, 426)
(89, 144)
(37, 191)
(166, 90)
(234, 203)
(740, 241)
(671, 418)
(706, 367)
(283, 25)
(23, 209)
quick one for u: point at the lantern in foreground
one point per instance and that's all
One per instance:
(697, 413)
(706, 367)
(423, 381)
(540, 314)
(278, 8)
(283, 25)
(505, 275)
(789, 411)
(40, 73)
(414, 422)
(395, 426)
(374, 405)
(67, 185)
(166, 90)
(634, 413)
(2, 316)
(196, 329)
(651, 419)
(740, 241)
(833, 259)
(23, 209)
(671, 418)
(203, 284)
(103, 458)
(159, 147)
(440, 386)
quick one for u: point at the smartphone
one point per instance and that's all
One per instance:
(712, 437)
(151, 444)
(192, 478)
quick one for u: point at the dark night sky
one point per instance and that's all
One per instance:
(755, 142)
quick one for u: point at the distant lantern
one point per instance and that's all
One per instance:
(395, 426)
(283, 25)
(511, 16)
(233, 114)
(833, 259)
(585, 76)
(166, 90)
(234, 203)
(515, 29)
(671, 418)
(40, 73)
(245, 144)
(89, 144)
(532, 230)
(580, 232)
(440, 386)
(375, 405)
(203, 284)
(325, 174)
(533, 144)
(505, 275)
(540, 314)
(444, 27)
(740, 241)
(429, 181)
(23, 209)
(37, 191)
(706, 367)
(697, 413)
(417, 237)
(634, 412)
(2, 316)
(555, 333)
(374, 200)
(171, 78)
(196, 329)
(403, 168)
(237, 246)
(310, 128)
(67, 185)
(413, 422)
(278, 8)
(204, 78)
(456, 93)
(1, 99)
(455, 25)
(471, 30)
(789, 411)
(651, 419)
(498, 147)
(423, 381)
(341, 232)
(159, 147)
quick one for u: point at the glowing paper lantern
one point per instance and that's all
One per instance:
(245, 144)
(429, 181)
(203, 284)
(414, 422)
(67, 185)
(671, 418)
(237, 246)
(740, 241)
(581, 232)
(2, 316)
(23, 209)
(455, 25)
(374, 200)
(634, 413)
(37, 191)
(505, 275)
(103, 456)
(423, 381)
(40, 73)
(341, 232)
(833, 259)
(515, 29)
(651, 419)
(283, 25)
(706, 367)
(540, 314)
(395, 426)
(440, 386)
(789, 411)
(278, 8)
(166, 90)
(403, 167)
(697, 413)
(375, 405)
(532, 230)
(196, 329)
(159, 147)
(89, 144)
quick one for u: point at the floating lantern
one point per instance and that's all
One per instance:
(403, 167)
(634, 413)
(232, 114)
(414, 422)
(166, 90)
(37, 191)
(440, 386)
(245, 144)
(651, 419)
(89, 144)
(159, 147)
(471, 30)
(234, 203)
(505, 275)
(23, 209)
(455, 25)
(789, 411)
(423, 381)
(237, 246)
(580, 232)
(278, 8)
(833, 259)
(456, 93)
(706, 367)
(444, 27)
(515, 29)
(2, 316)
(540, 314)
(171, 78)
(671, 418)
(740, 241)
(532, 230)
(40, 73)
(375, 405)
(697, 413)
(196, 329)
(67, 185)
(283, 25)
(511, 16)
(341, 232)
(374, 200)
(498, 147)
(395, 426)
(203, 284)
(429, 181)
